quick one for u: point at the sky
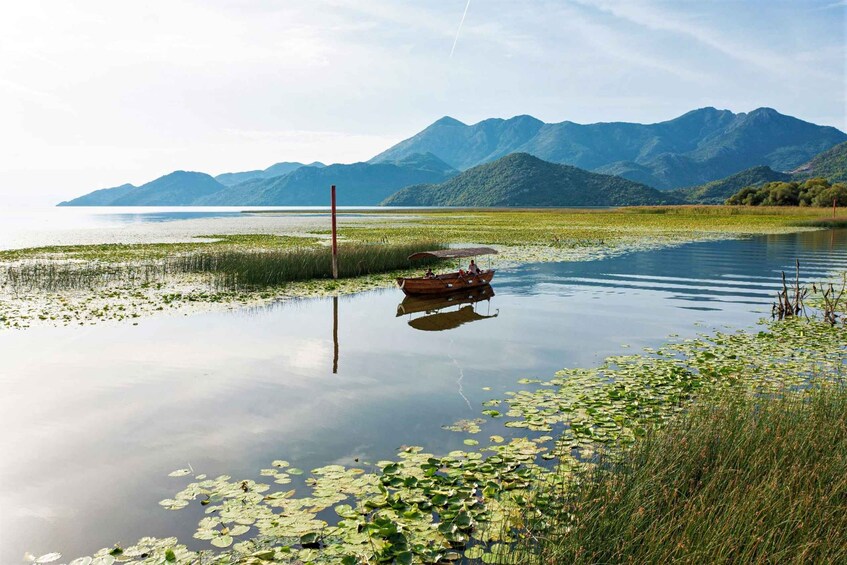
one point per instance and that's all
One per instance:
(96, 93)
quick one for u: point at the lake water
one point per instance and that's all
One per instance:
(94, 418)
(36, 227)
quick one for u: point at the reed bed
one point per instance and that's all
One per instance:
(56, 275)
(253, 268)
(226, 269)
(838, 222)
(753, 480)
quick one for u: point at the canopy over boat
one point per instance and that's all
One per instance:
(457, 253)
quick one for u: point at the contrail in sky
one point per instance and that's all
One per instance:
(468, 5)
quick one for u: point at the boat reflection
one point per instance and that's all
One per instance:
(436, 320)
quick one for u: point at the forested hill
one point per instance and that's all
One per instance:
(698, 147)
(523, 180)
(831, 165)
(716, 192)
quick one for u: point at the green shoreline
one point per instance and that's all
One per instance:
(522, 236)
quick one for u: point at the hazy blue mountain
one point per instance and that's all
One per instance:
(276, 170)
(102, 197)
(425, 162)
(716, 192)
(831, 165)
(179, 188)
(520, 179)
(698, 147)
(306, 185)
(359, 184)
(463, 146)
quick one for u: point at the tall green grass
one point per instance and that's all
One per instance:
(254, 268)
(839, 222)
(754, 480)
(227, 269)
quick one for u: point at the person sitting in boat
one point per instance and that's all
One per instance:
(429, 274)
(472, 268)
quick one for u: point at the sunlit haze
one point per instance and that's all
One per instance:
(96, 93)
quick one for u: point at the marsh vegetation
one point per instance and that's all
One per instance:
(738, 479)
(83, 284)
(228, 269)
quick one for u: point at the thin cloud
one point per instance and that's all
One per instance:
(644, 14)
(462, 21)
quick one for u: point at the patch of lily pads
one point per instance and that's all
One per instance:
(430, 508)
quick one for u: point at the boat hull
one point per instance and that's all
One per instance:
(444, 284)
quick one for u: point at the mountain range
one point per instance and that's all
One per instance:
(278, 169)
(519, 179)
(359, 184)
(701, 156)
(698, 147)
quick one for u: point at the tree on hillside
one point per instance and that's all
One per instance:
(813, 192)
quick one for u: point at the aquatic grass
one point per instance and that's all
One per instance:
(128, 252)
(603, 228)
(838, 222)
(742, 479)
(229, 269)
(54, 276)
(54, 294)
(236, 269)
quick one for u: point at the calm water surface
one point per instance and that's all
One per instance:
(94, 418)
(36, 227)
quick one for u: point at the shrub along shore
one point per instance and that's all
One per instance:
(85, 284)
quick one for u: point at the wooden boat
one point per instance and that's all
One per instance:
(442, 284)
(448, 282)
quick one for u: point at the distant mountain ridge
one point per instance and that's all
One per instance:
(830, 165)
(703, 147)
(179, 188)
(275, 170)
(359, 184)
(698, 147)
(519, 179)
(100, 197)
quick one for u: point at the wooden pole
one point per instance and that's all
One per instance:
(334, 238)
(834, 200)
